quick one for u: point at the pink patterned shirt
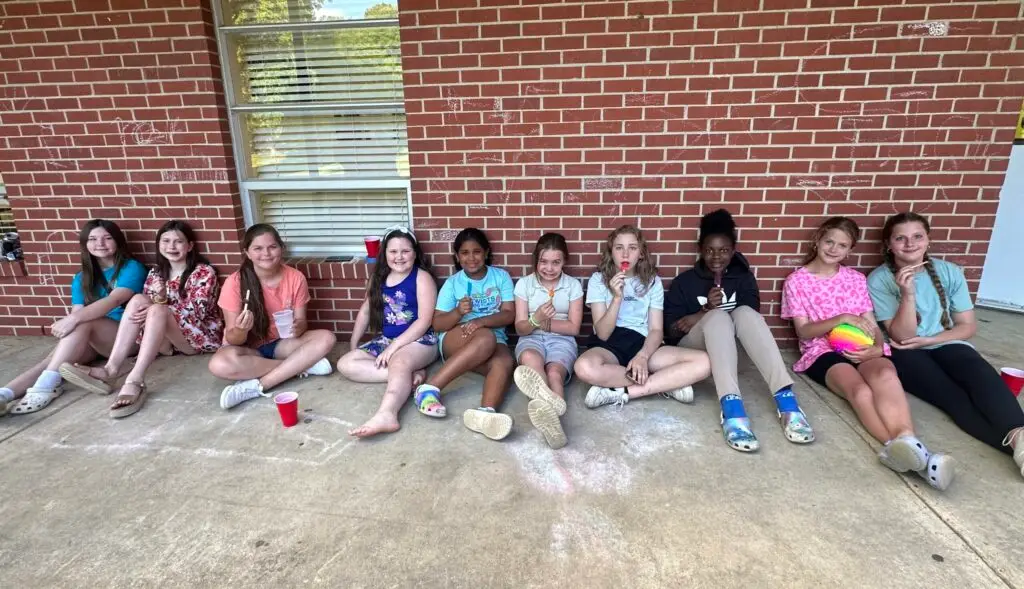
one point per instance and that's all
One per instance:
(818, 299)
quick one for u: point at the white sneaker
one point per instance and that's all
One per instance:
(598, 396)
(240, 392)
(683, 395)
(322, 367)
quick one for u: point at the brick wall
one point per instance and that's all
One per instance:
(572, 117)
(113, 109)
(575, 117)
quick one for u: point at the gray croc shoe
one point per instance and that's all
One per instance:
(904, 453)
(940, 471)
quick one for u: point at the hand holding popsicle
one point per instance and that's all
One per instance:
(466, 303)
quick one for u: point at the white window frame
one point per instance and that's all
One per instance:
(248, 188)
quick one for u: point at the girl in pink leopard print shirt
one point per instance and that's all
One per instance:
(824, 294)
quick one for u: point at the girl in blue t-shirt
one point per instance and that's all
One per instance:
(108, 279)
(473, 308)
(926, 308)
(399, 305)
(626, 359)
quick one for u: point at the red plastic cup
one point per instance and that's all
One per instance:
(372, 246)
(1014, 378)
(288, 407)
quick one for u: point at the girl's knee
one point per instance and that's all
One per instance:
(555, 373)
(157, 312)
(584, 368)
(345, 363)
(323, 339)
(531, 357)
(222, 364)
(137, 301)
(861, 393)
(483, 339)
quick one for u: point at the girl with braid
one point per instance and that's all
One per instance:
(926, 308)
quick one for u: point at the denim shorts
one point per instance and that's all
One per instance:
(267, 349)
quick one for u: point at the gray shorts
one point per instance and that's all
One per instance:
(554, 348)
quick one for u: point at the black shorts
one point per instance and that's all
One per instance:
(821, 366)
(623, 342)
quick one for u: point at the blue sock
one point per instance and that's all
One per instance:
(785, 400)
(732, 406)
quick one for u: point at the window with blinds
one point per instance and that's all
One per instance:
(314, 92)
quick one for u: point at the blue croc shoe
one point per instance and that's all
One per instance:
(738, 435)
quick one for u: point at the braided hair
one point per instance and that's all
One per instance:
(929, 266)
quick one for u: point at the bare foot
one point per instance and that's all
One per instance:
(380, 423)
(418, 378)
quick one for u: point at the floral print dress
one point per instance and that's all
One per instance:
(196, 313)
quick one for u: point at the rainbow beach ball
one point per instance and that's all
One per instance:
(846, 338)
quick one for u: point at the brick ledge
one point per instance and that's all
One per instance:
(12, 268)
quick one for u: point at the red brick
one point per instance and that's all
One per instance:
(612, 115)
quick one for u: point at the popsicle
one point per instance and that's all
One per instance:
(469, 290)
(551, 293)
(624, 266)
(718, 278)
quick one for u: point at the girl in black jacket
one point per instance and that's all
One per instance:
(708, 308)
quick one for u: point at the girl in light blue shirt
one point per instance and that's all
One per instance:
(926, 308)
(473, 308)
(99, 292)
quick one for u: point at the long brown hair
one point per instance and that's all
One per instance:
(250, 282)
(844, 224)
(93, 280)
(890, 259)
(381, 271)
(193, 258)
(645, 269)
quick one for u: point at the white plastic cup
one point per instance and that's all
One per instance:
(284, 320)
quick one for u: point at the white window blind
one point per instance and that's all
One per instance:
(333, 220)
(317, 115)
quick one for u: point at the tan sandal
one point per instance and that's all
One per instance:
(137, 400)
(81, 376)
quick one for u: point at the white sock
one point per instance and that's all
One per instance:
(49, 379)
(6, 394)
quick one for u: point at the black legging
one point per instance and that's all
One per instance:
(957, 380)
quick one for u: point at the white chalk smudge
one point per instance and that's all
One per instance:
(659, 432)
(580, 467)
(588, 530)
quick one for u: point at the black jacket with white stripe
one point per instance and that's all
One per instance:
(689, 291)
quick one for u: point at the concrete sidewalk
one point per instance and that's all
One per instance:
(184, 494)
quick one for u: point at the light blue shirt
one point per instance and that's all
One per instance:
(488, 294)
(885, 296)
(132, 276)
(635, 308)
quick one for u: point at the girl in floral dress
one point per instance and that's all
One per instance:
(176, 312)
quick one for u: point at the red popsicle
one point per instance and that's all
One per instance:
(624, 266)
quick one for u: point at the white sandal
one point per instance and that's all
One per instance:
(36, 400)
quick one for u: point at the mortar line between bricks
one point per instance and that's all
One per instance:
(867, 439)
(44, 418)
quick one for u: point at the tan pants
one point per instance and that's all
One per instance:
(716, 333)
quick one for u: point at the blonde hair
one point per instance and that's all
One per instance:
(644, 270)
